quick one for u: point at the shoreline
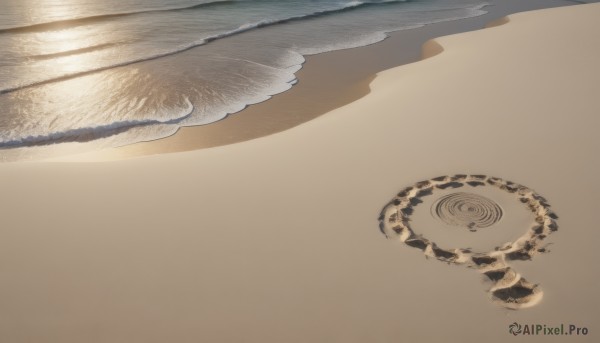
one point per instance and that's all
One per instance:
(325, 82)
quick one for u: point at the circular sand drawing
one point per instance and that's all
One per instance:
(466, 209)
(473, 211)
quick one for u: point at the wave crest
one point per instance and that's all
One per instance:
(241, 29)
(69, 23)
(87, 134)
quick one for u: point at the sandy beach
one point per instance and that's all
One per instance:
(277, 239)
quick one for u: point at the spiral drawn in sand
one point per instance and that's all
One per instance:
(509, 288)
(467, 210)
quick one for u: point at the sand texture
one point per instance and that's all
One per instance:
(277, 239)
(474, 212)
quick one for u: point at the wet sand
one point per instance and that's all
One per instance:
(326, 81)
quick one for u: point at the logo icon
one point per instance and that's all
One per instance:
(514, 328)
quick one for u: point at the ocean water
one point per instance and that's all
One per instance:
(89, 74)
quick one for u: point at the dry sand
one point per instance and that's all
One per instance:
(276, 239)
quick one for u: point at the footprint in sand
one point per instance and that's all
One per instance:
(474, 212)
